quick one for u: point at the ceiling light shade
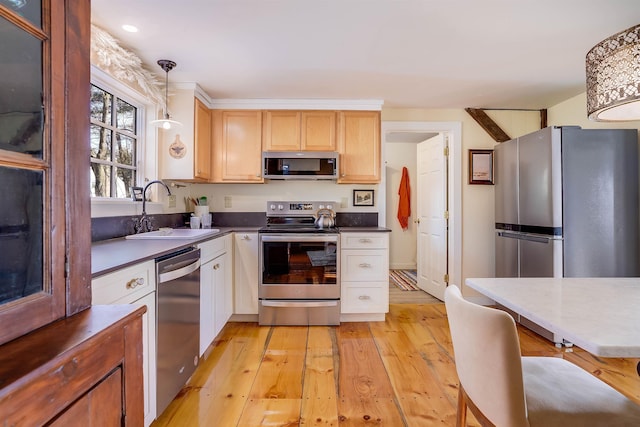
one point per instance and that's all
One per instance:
(613, 78)
(166, 122)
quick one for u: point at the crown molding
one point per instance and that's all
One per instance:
(297, 104)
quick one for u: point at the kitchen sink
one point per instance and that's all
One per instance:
(175, 233)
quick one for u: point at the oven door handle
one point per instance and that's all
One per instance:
(302, 304)
(299, 238)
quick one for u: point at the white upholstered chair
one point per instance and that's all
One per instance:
(503, 389)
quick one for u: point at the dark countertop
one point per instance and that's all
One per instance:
(111, 255)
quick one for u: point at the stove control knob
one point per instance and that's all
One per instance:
(281, 207)
(320, 206)
(272, 207)
(329, 206)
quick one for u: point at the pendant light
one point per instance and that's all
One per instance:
(166, 122)
(613, 78)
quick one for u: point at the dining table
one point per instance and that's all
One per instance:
(599, 315)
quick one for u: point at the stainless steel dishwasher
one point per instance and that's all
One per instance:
(178, 328)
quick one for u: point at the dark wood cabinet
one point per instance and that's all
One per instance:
(62, 362)
(74, 368)
(44, 114)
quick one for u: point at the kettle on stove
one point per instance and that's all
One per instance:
(325, 218)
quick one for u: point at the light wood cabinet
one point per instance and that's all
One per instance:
(359, 147)
(202, 141)
(364, 272)
(245, 258)
(184, 152)
(237, 146)
(285, 130)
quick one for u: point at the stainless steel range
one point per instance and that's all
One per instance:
(299, 265)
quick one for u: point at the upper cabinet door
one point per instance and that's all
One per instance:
(318, 131)
(299, 130)
(359, 146)
(281, 131)
(237, 146)
(202, 137)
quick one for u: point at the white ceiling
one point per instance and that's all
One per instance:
(511, 54)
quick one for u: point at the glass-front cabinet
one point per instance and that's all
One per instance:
(33, 231)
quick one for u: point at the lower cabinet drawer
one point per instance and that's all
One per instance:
(372, 299)
(364, 265)
(129, 284)
(214, 247)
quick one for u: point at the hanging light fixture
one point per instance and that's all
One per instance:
(613, 78)
(166, 122)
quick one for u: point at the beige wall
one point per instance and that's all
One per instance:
(397, 156)
(573, 111)
(477, 200)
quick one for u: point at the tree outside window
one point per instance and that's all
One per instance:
(114, 136)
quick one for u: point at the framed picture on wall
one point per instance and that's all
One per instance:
(362, 197)
(481, 167)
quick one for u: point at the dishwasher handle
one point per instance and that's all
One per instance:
(180, 272)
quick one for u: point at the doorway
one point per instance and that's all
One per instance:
(405, 136)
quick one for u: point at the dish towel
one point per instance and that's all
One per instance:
(404, 203)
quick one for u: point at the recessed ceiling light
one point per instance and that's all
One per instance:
(130, 28)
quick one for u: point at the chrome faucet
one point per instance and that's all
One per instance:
(143, 224)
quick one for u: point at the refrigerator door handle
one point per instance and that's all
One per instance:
(528, 237)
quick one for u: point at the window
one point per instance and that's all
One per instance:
(115, 136)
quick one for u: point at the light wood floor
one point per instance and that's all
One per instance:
(398, 296)
(394, 373)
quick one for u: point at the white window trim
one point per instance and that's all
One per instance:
(146, 161)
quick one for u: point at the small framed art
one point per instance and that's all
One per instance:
(362, 197)
(481, 167)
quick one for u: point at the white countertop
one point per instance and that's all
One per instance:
(600, 315)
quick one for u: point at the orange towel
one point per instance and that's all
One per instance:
(404, 204)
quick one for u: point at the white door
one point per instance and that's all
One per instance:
(431, 217)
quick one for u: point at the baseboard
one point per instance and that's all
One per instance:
(243, 318)
(403, 267)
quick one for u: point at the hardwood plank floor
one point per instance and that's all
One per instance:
(399, 372)
(398, 296)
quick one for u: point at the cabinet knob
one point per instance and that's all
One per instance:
(138, 281)
(417, 221)
(217, 266)
(246, 237)
(365, 265)
(364, 297)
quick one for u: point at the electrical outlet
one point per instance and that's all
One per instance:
(227, 201)
(172, 201)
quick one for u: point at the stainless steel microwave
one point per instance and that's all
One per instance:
(300, 164)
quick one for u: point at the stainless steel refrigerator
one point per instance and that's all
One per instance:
(566, 204)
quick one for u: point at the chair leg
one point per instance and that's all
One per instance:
(461, 418)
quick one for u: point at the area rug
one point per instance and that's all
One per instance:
(407, 280)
